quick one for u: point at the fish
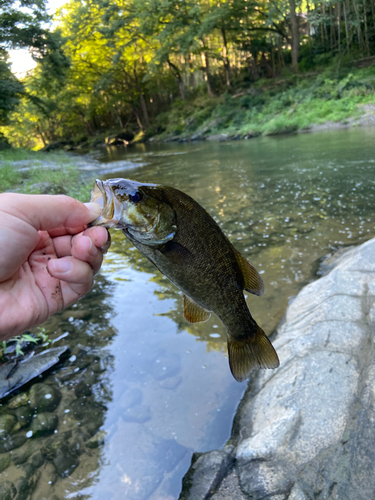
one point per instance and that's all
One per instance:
(186, 244)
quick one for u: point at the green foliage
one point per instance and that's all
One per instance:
(279, 108)
(21, 23)
(10, 88)
(61, 177)
(144, 64)
(9, 176)
(19, 343)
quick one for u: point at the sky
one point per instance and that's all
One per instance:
(21, 59)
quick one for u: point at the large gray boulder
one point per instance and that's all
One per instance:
(307, 430)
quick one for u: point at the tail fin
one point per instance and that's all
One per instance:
(255, 351)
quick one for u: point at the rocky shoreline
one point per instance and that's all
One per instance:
(128, 139)
(306, 430)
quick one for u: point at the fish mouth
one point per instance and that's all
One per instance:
(102, 194)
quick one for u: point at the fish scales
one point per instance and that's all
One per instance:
(185, 243)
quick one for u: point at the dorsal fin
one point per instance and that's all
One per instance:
(193, 312)
(253, 282)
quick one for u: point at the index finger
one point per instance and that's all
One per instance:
(44, 212)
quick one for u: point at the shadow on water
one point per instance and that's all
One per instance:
(140, 389)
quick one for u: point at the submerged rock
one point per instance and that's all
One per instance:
(164, 366)
(131, 476)
(43, 424)
(7, 491)
(27, 483)
(44, 397)
(4, 462)
(12, 442)
(130, 397)
(97, 440)
(7, 422)
(65, 461)
(21, 455)
(18, 401)
(27, 370)
(137, 413)
(24, 415)
(307, 429)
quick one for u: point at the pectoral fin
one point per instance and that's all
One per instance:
(177, 254)
(253, 282)
(193, 312)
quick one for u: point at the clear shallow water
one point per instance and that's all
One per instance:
(147, 386)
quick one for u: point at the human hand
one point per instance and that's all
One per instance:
(48, 258)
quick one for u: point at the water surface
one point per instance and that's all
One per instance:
(142, 389)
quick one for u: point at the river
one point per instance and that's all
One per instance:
(142, 390)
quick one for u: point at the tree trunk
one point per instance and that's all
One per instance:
(207, 75)
(119, 119)
(280, 52)
(359, 32)
(179, 80)
(140, 125)
(226, 59)
(254, 68)
(142, 101)
(273, 57)
(366, 28)
(144, 109)
(346, 27)
(324, 25)
(339, 25)
(191, 73)
(295, 34)
(40, 133)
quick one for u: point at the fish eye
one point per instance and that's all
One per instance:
(136, 197)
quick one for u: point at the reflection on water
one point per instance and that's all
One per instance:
(284, 202)
(141, 389)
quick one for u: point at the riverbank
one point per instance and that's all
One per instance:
(31, 172)
(312, 101)
(295, 103)
(305, 430)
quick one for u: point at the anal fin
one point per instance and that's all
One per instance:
(253, 282)
(193, 312)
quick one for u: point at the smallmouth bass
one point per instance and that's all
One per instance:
(184, 242)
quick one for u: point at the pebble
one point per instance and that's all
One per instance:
(170, 383)
(43, 424)
(138, 413)
(4, 462)
(7, 422)
(7, 490)
(130, 397)
(12, 442)
(97, 440)
(18, 401)
(65, 461)
(44, 397)
(165, 366)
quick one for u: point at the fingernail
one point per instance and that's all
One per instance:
(61, 265)
(94, 208)
(92, 250)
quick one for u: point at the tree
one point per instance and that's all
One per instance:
(20, 26)
(10, 88)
